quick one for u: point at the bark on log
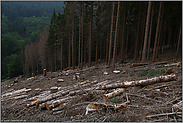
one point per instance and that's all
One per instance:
(49, 104)
(58, 112)
(178, 106)
(42, 106)
(58, 102)
(173, 64)
(18, 97)
(126, 84)
(98, 106)
(16, 92)
(154, 80)
(160, 63)
(61, 107)
(138, 64)
(165, 114)
(116, 92)
(54, 89)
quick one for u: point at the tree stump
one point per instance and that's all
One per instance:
(54, 89)
(44, 72)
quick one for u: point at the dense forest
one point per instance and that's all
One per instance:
(21, 24)
(86, 32)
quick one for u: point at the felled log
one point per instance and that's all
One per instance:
(42, 106)
(58, 102)
(116, 92)
(116, 71)
(169, 71)
(138, 64)
(61, 107)
(16, 92)
(98, 106)
(138, 82)
(49, 105)
(17, 97)
(31, 104)
(58, 112)
(160, 63)
(178, 106)
(50, 97)
(16, 80)
(173, 64)
(60, 80)
(165, 114)
(126, 84)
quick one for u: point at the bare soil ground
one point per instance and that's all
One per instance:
(144, 100)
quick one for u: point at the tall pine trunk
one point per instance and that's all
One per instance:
(91, 19)
(114, 50)
(123, 35)
(79, 55)
(157, 29)
(160, 33)
(179, 40)
(73, 63)
(107, 45)
(137, 38)
(146, 33)
(69, 55)
(149, 42)
(61, 52)
(110, 44)
(96, 55)
(82, 36)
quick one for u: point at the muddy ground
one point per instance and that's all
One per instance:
(144, 100)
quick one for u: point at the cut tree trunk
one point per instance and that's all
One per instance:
(42, 106)
(98, 106)
(49, 104)
(154, 80)
(173, 64)
(116, 93)
(17, 97)
(165, 114)
(15, 92)
(58, 102)
(44, 72)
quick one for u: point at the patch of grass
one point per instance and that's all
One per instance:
(143, 73)
(114, 99)
(131, 74)
(163, 71)
(154, 73)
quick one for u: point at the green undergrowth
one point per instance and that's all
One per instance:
(151, 73)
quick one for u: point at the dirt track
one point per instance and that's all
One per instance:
(144, 100)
